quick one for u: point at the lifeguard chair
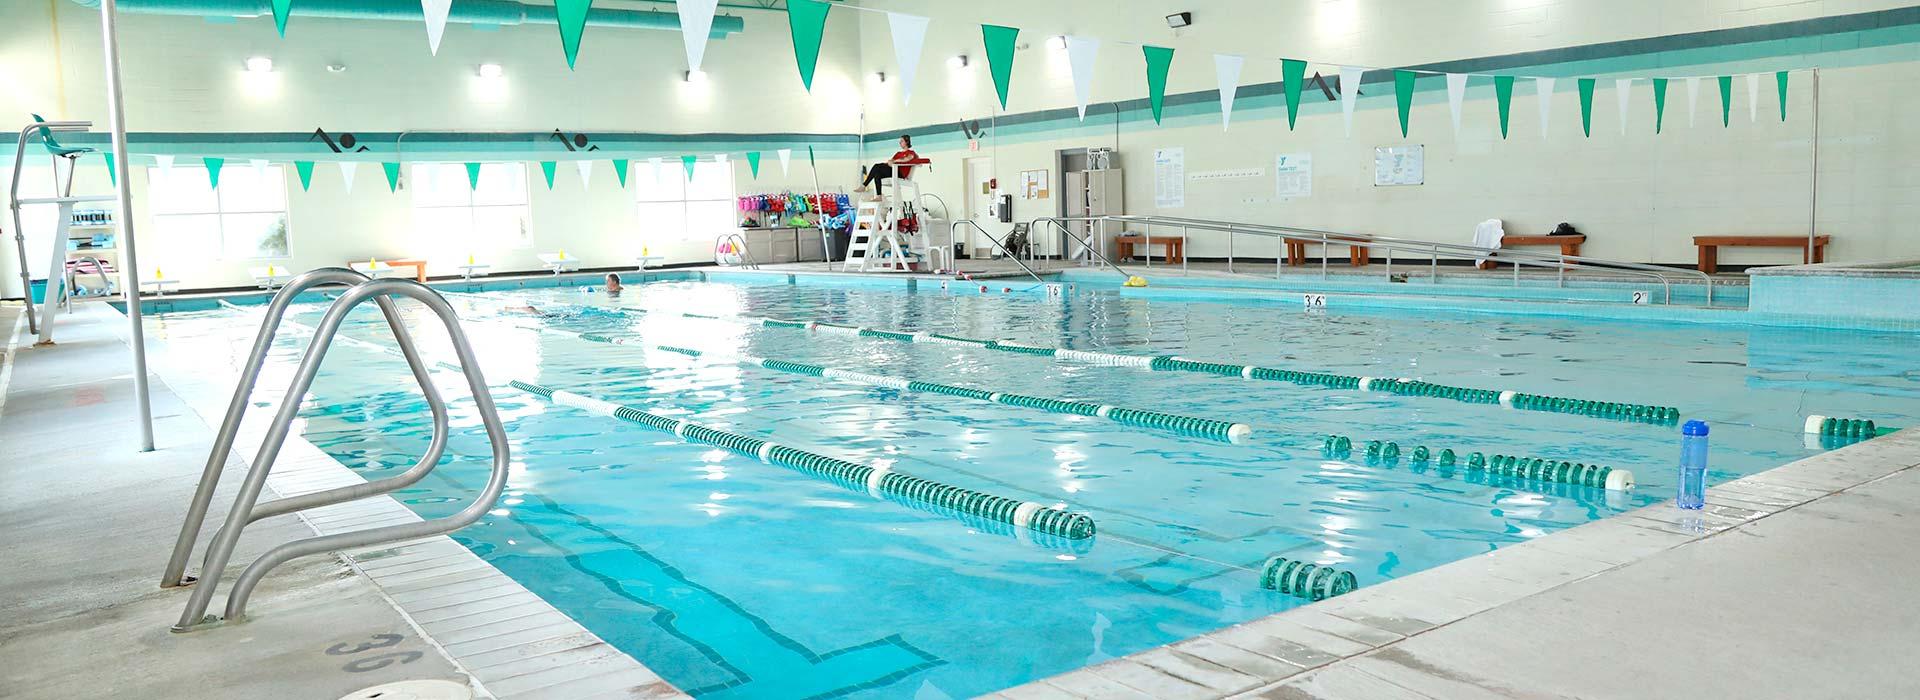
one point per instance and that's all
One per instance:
(889, 234)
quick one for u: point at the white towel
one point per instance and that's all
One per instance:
(1487, 235)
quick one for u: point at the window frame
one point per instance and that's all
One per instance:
(473, 209)
(220, 212)
(729, 200)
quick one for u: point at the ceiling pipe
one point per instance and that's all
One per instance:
(493, 12)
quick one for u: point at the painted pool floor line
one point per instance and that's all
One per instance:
(425, 609)
(1628, 606)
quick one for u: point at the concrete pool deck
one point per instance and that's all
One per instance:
(90, 525)
(1796, 583)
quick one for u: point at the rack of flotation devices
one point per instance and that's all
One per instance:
(789, 208)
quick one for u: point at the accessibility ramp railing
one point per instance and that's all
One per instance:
(953, 232)
(1093, 249)
(246, 508)
(1432, 250)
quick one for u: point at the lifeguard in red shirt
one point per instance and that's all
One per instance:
(902, 161)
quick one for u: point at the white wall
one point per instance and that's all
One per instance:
(184, 74)
(1639, 196)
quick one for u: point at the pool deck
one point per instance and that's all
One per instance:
(90, 528)
(1796, 582)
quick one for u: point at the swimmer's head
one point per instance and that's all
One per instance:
(613, 283)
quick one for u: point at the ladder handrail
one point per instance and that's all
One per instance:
(98, 269)
(1059, 222)
(222, 548)
(746, 256)
(237, 408)
(996, 244)
(1554, 261)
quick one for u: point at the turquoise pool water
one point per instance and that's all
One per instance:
(737, 579)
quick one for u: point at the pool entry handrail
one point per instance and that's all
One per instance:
(953, 233)
(1432, 249)
(1059, 224)
(245, 509)
(739, 243)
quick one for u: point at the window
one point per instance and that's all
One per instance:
(674, 208)
(245, 219)
(456, 218)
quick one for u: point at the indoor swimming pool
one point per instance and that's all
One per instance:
(732, 577)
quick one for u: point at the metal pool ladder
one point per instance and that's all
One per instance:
(246, 509)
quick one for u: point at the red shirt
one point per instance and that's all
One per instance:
(904, 170)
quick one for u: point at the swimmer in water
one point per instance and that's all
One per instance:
(613, 284)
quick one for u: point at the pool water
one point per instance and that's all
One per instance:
(737, 579)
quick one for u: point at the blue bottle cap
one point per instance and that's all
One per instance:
(1694, 427)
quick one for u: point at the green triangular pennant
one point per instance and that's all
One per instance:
(281, 8)
(808, 21)
(113, 173)
(572, 15)
(546, 168)
(1503, 94)
(1781, 78)
(999, 41)
(753, 163)
(305, 169)
(620, 169)
(473, 176)
(1403, 96)
(1294, 76)
(393, 176)
(1659, 104)
(1158, 61)
(1726, 100)
(810, 163)
(213, 171)
(1586, 106)
(688, 162)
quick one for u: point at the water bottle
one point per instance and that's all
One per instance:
(1693, 466)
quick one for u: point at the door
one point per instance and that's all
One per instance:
(979, 206)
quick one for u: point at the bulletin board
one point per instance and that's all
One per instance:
(1033, 184)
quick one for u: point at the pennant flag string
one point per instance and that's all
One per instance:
(620, 170)
(696, 22)
(1623, 95)
(1543, 94)
(1081, 52)
(999, 42)
(909, 36)
(1456, 97)
(808, 21)
(1586, 106)
(572, 16)
(305, 169)
(1226, 73)
(1159, 60)
(1403, 96)
(1659, 105)
(1503, 94)
(1294, 76)
(1350, 77)
(436, 13)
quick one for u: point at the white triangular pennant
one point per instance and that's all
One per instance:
(346, 173)
(909, 34)
(1753, 97)
(1456, 97)
(436, 12)
(696, 22)
(1543, 93)
(1693, 98)
(166, 164)
(1080, 54)
(786, 158)
(1623, 92)
(655, 162)
(1226, 69)
(586, 173)
(719, 157)
(1349, 92)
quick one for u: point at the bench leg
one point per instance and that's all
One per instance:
(1819, 253)
(1357, 255)
(1709, 259)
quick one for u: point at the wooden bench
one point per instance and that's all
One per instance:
(1356, 252)
(419, 267)
(1174, 245)
(1710, 247)
(1569, 245)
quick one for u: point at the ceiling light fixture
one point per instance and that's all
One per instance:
(696, 76)
(491, 70)
(259, 64)
(957, 62)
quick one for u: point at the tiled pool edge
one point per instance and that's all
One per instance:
(503, 636)
(1259, 655)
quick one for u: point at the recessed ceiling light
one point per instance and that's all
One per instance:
(957, 62)
(696, 76)
(336, 68)
(491, 70)
(1058, 42)
(259, 64)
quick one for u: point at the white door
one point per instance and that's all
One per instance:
(979, 205)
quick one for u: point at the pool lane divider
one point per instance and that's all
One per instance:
(1827, 426)
(881, 481)
(1516, 467)
(1225, 431)
(1303, 580)
(1642, 413)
